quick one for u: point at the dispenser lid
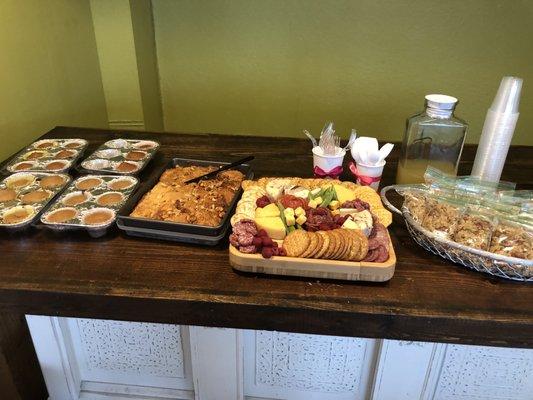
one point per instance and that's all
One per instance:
(441, 101)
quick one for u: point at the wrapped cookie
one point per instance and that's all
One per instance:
(416, 204)
(441, 216)
(512, 239)
(473, 229)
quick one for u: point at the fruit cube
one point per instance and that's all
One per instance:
(316, 191)
(290, 220)
(312, 204)
(301, 219)
(299, 211)
(318, 200)
(335, 204)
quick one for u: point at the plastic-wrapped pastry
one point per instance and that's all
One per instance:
(474, 230)
(441, 218)
(512, 239)
(417, 203)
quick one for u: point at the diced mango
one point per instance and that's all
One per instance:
(290, 220)
(316, 191)
(318, 200)
(335, 212)
(273, 225)
(312, 204)
(270, 210)
(334, 204)
(301, 219)
(299, 211)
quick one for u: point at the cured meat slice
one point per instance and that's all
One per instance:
(234, 240)
(247, 249)
(246, 239)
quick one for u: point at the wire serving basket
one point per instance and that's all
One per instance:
(513, 268)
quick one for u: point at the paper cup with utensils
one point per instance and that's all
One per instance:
(367, 175)
(327, 166)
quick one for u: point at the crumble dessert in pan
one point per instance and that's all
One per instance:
(202, 203)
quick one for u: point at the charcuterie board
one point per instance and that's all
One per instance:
(313, 228)
(314, 268)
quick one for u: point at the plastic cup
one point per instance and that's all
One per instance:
(328, 165)
(368, 175)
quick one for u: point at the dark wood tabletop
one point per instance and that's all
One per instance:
(120, 277)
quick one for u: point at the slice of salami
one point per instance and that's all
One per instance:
(234, 240)
(371, 256)
(246, 239)
(383, 254)
(245, 225)
(373, 243)
(247, 249)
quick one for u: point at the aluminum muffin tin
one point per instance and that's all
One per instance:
(24, 195)
(90, 203)
(48, 155)
(121, 156)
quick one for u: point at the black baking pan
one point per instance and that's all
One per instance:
(173, 230)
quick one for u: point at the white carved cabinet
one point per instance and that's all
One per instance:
(112, 360)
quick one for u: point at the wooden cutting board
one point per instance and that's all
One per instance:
(314, 268)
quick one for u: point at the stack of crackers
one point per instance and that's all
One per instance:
(337, 244)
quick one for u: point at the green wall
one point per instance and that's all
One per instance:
(49, 73)
(276, 67)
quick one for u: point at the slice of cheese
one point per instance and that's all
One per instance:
(270, 210)
(273, 225)
(344, 194)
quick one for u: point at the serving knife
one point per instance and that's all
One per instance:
(222, 168)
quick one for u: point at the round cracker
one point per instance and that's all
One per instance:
(363, 242)
(351, 244)
(355, 245)
(296, 243)
(334, 244)
(342, 244)
(313, 243)
(318, 247)
(325, 244)
(348, 244)
(384, 216)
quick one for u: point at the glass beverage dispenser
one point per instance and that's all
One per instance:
(434, 137)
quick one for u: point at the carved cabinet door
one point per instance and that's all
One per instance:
(87, 359)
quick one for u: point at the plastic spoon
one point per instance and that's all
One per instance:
(311, 137)
(385, 151)
(353, 136)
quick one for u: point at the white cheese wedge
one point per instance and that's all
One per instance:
(275, 187)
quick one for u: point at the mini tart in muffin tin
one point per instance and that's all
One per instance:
(62, 215)
(98, 216)
(52, 181)
(36, 196)
(16, 215)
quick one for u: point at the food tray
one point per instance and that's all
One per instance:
(513, 268)
(188, 233)
(81, 209)
(9, 186)
(41, 155)
(109, 157)
(174, 236)
(314, 268)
